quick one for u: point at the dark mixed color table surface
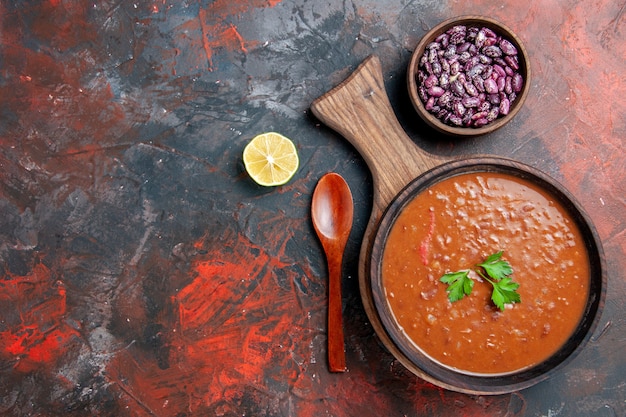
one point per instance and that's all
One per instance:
(143, 273)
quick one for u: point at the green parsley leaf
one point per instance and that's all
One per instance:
(497, 273)
(495, 267)
(504, 292)
(459, 284)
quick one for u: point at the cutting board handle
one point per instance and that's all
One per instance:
(359, 109)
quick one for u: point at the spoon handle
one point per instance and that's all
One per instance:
(336, 349)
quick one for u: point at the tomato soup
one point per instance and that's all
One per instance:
(456, 224)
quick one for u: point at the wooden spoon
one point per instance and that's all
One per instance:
(332, 212)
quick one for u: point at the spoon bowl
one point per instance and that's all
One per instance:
(332, 212)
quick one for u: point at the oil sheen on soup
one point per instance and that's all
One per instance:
(456, 224)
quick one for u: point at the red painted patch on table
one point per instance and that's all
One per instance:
(37, 335)
(59, 116)
(234, 321)
(217, 30)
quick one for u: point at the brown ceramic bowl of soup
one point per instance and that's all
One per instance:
(468, 76)
(451, 218)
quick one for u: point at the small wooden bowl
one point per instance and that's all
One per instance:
(469, 21)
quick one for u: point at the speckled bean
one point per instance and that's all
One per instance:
(457, 34)
(479, 83)
(436, 67)
(459, 108)
(470, 101)
(491, 86)
(445, 99)
(504, 106)
(512, 62)
(499, 70)
(445, 66)
(508, 85)
(455, 120)
(430, 81)
(470, 89)
(517, 83)
(493, 114)
(476, 70)
(443, 39)
(480, 122)
(507, 47)
(464, 47)
(492, 51)
(494, 99)
(444, 80)
(501, 82)
(456, 87)
(484, 105)
(436, 91)
(455, 67)
(430, 103)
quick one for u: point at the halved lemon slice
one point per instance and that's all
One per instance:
(270, 159)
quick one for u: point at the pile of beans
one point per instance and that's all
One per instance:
(469, 76)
